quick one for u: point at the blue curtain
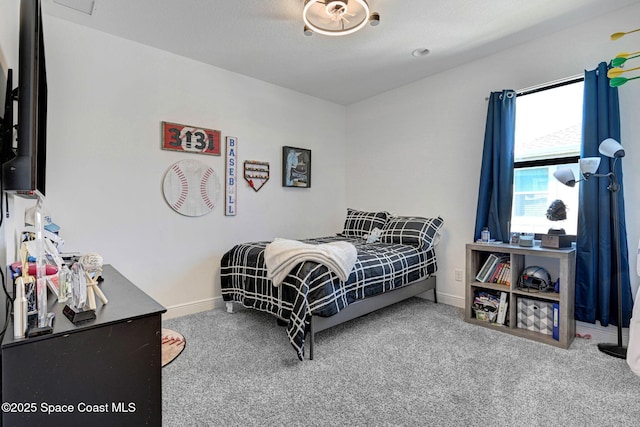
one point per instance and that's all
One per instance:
(495, 194)
(596, 296)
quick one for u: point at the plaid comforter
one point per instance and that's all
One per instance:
(312, 289)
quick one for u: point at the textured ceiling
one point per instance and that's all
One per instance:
(264, 39)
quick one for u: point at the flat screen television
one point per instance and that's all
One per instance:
(6, 123)
(24, 173)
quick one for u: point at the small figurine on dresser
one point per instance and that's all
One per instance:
(92, 265)
(78, 311)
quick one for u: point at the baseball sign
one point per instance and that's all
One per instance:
(191, 139)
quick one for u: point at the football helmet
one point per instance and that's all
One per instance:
(535, 279)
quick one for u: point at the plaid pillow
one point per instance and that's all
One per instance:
(414, 231)
(359, 223)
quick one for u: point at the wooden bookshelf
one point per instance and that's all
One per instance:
(477, 254)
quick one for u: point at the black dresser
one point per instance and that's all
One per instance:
(105, 371)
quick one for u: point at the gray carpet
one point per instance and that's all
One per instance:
(412, 364)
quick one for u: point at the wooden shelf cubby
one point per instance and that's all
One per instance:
(477, 254)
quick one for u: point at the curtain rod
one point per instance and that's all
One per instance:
(549, 85)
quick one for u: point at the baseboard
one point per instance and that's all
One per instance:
(599, 333)
(194, 307)
(443, 298)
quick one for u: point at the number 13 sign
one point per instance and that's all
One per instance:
(190, 139)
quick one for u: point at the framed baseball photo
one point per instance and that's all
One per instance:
(296, 167)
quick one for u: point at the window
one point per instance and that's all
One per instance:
(547, 138)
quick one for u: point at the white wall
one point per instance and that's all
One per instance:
(105, 168)
(415, 150)
(425, 140)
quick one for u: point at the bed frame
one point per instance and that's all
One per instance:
(369, 305)
(364, 306)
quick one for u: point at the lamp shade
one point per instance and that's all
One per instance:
(589, 165)
(565, 176)
(611, 148)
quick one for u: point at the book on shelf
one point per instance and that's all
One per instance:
(556, 321)
(505, 274)
(487, 268)
(494, 269)
(502, 268)
(502, 308)
(496, 272)
(506, 280)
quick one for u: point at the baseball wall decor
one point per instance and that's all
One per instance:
(230, 177)
(191, 139)
(191, 188)
(256, 173)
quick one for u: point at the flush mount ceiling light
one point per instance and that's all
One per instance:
(336, 17)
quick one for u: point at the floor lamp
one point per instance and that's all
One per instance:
(588, 168)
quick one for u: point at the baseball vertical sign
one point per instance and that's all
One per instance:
(230, 177)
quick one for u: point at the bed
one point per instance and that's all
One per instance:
(395, 260)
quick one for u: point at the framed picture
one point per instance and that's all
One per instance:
(296, 167)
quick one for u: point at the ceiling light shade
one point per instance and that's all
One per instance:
(565, 176)
(337, 17)
(589, 165)
(611, 148)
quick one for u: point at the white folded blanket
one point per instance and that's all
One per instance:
(282, 255)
